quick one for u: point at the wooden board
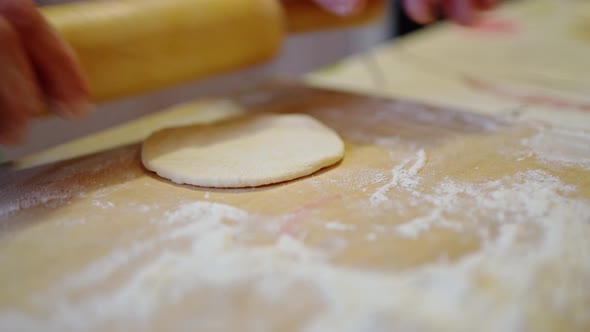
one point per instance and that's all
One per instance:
(436, 219)
(525, 60)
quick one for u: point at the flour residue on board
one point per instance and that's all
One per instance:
(506, 274)
(103, 204)
(54, 186)
(524, 197)
(208, 219)
(560, 146)
(338, 226)
(360, 179)
(404, 176)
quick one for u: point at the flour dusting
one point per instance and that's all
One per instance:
(505, 273)
(213, 215)
(403, 176)
(561, 146)
(337, 226)
(59, 184)
(524, 197)
(358, 179)
(103, 205)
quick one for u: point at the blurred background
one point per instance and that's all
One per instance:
(301, 54)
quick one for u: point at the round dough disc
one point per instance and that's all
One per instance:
(246, 152)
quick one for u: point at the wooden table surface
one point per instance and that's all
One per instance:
(529, 60)
(465, 209)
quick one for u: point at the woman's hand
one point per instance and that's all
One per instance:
(342, 7)
(421, 11)
(461, 11)
(37, 69)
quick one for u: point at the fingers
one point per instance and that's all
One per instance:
(57, 70)
(19, 95)
(342, 7)
(421, 11)
(461, 11)
(485, 4)
(59, 73)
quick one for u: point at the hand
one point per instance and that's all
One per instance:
(342, 7)
(461, 11)
(37, 69)
(422, 11)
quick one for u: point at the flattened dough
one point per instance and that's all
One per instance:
(246, 152)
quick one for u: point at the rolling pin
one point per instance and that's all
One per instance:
(127, 47)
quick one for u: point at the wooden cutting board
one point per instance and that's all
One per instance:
(436, 219)
(527, 58)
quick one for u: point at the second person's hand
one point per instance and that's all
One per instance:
(421, 11)
(461, 11)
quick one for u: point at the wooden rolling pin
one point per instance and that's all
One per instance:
(129, 47)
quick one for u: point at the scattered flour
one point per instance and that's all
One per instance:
(73, 223)
(59, 184)
(403, 176)
(371, 237)
(524, 197)
(379, 228)
(561, 146)
(357, 179)
(443, 296)
(387, 141)
(103, 205)
(213, 214)
(46, 195)
(144, 208)
(337, 226)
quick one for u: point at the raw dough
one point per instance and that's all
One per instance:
(246, 152)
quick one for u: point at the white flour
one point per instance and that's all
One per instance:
(337, 226)
(357, 179)
(199, 247)
(52, 191)
(560, 146)
(445, 296)
(525, 197)
(103, 205)
(403, 176)
(371, 237)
